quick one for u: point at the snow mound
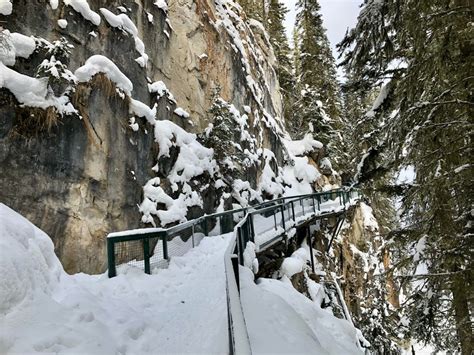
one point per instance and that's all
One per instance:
(295, 263)
(100, 64)
(28, 264)
(181, 309)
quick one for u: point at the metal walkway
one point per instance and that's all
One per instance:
(265, 224)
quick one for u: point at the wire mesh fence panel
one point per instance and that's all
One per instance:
(129, 253)
(181, 242)
(157, 259)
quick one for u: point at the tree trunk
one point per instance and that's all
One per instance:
(462, 317)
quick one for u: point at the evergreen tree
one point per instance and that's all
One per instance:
(279, 41)
(424, 121)
(317, 64)
(255, 9)
(317, 88)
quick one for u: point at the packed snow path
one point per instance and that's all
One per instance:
(181, 309)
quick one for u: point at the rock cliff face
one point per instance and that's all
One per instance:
(105, 108)
(79, 176)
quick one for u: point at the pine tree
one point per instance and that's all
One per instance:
(424, 122)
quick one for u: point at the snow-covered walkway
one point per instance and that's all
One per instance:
(181, 309)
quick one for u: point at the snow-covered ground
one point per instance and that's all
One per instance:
(181, 309)
(280, 320)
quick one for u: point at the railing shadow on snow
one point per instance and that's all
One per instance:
(264, 224)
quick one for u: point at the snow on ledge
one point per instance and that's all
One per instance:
(302, 146)
(82, 6)
(32, 91)
(6, 7)
(123, 22)
(100, 64)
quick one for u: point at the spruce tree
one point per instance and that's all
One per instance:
(424, 121)
(279, 41)
(318, 94)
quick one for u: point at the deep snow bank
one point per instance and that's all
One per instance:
(42, 309)
(280, 320)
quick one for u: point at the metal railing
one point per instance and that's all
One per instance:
(149, 248)
(264, 224)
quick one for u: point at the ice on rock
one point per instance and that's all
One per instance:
(162, 5)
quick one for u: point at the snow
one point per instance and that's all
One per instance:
(369, 220)
(295, 263)
(82, 6)
(17, 45)
(181, 112)
(54, 4)
(384, 91)
(140, 109)
(182, 309)
(33, 92)
(159, 87)
(325, 163)
(123, 22)
(5, 7)
(62, 23)
(162, 5)
(282, 320)
(303, 146)
(133, 125)
(193, 160)
(100, 64)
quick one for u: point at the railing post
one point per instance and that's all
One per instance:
(146, 255)
(283, 218)
(251, 229)
(240, 246)
(205, 229)
(275, 220)
(318, 198)
(235, 266)
(293, 210)
(340, 198)
(192, 235)
(314, 204)
(111, 257)
(302, 205)
(164, 238)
